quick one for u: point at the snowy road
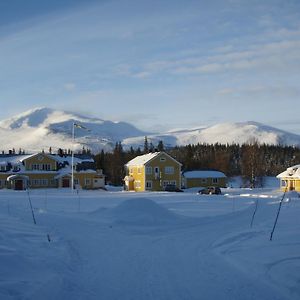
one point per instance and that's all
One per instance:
(154, 246)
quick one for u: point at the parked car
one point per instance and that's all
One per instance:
(210, 190)
(172, 188)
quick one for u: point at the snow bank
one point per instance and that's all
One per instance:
(142, 212)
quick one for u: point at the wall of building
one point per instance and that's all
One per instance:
(204, 182)
(138, 173)
(163, 177)
(40, 159)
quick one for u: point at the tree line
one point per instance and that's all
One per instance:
(252, 160)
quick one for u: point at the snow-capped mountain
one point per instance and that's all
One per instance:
(41, 128)
(223, 133)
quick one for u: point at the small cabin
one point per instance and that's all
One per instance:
(290, 179)
(203, 178)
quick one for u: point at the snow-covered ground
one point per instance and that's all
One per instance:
(124, 245)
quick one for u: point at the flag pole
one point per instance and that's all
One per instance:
(72, 163)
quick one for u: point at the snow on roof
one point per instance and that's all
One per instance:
(292, 172)
(142, 159)
(12, 177)
(204, 174)
(14, 159)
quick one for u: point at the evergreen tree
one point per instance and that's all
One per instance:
(160, 146)
(146, 146)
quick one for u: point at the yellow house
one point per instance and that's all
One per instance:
(290, 179)
(152, 172)
(41, 170)
(203, 178)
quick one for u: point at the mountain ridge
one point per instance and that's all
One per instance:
(42, 127)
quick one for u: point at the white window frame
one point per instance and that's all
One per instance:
(87, 181)
(283, 183)
(149, 185)
(215, 180)
(162, 159)
(169, 170)
(137, 184)
(52, 182)
(36, 182)
(148, 170)
(44, 182)
(16, 168)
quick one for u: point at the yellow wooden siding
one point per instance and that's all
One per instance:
(162, 161)
(85, 179)
(292, 184)
(138, 173)
(3, 182)
(42, 180)
(40, 159)
(204, 182)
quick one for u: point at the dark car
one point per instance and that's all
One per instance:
(172, 188)
(210, 190)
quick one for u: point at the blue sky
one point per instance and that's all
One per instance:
(157, 64)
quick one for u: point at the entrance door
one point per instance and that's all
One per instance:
(292, 185)
(19, 184)
(66, 182)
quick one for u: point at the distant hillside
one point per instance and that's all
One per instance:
(224, 133)
(41, 128)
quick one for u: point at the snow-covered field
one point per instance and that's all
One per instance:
(122, 245)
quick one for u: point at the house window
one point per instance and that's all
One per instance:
(165, 183)
(16, 168)
(45, 167)
(169, 170)
(203, 180)
(283, 183)
(215, 180)
(52, 182)
(35, 166)
(76, 181)
(44, 182)
(149, 185)
(173, 182)
(162, 159)
(35, 181)
(3, 168)
(139, 170)
(148, 170)
(130, 170)
(87, 181)
(137, 184)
